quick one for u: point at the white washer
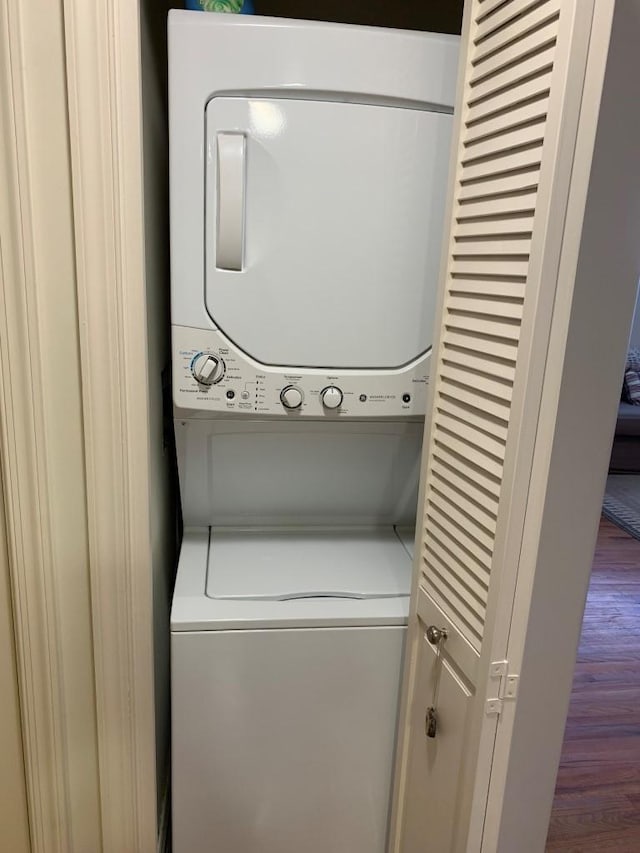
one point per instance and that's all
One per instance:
(284, 703)
(308, 166)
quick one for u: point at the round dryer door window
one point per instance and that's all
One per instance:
(323, 229)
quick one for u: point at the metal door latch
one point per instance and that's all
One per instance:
(436, 636)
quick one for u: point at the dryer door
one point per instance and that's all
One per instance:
(323, 229)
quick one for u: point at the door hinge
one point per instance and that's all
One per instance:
(507, 687)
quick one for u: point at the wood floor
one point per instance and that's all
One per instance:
(597, 801)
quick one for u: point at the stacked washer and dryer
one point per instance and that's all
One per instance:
(308, 172)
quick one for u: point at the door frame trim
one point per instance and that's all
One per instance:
(41, 436)
(105, 121)
(14, 812)
(565, 493)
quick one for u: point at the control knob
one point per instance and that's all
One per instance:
(291, 397)
(207, 369)
(331, 397)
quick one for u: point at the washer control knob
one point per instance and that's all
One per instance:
(331, 397)
(207, 369)
(291, 397)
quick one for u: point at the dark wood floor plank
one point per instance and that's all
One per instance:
(597, 801)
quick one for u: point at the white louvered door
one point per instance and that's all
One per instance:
(520, 118)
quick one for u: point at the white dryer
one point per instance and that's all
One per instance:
(308, 173)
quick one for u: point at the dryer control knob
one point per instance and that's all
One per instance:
(207, 369)
(291, 397)
(331, 397)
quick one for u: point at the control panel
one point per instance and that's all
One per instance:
(211, 375)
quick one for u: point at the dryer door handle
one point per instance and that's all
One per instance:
(230, 200)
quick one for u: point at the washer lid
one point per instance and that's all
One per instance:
(307, 564)
(323, 229)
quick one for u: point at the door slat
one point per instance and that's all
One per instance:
(509, 26)
(517, 52)
(502, 81)
(501, 157)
